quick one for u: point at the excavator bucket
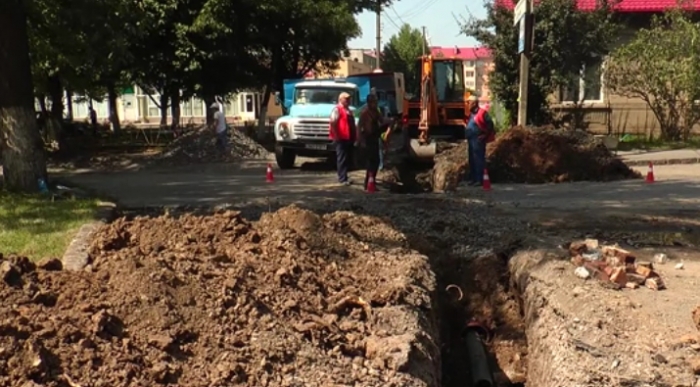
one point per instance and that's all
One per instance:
(422, 152)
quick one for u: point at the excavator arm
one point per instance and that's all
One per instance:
(428, 100)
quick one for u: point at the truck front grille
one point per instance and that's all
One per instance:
(312, 130)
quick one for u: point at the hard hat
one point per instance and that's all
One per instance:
(473, 98)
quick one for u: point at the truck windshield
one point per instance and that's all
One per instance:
(318, 95)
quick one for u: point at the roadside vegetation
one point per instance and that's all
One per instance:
(641, 142)
(37, 226)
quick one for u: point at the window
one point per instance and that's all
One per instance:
(586, 88)
(318, 95)
(197, 107)
(153, 109)
(469, 74)
(186, 108)
(449, 80)
(468, 63)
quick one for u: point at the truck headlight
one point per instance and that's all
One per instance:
(284, 130)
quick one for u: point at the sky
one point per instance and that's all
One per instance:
(436, 15)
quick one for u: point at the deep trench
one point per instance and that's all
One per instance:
(450, 270)
(457, 270)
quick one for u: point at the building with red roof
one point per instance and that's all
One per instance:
(605, 112)
(627, 6)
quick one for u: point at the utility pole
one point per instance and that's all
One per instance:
(379, 33)
(424, 40)
(523, 18)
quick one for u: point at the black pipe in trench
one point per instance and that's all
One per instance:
(478, 359)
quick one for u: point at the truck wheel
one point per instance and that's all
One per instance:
(285, 157)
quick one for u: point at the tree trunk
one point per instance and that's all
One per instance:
(113, 112)
(69, 104)
(163, 109)
(42, 105)
(208, 102)
(175, 109)
(262, 121)
(54, 122)
(23, 158)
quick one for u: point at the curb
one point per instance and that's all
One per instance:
(640, 163)
(76, 257)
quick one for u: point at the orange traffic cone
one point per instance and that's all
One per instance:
(487, 180)
(371, 183)
(269, 177)
(650, 173)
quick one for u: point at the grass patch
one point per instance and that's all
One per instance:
(36, 227)
(632, 142)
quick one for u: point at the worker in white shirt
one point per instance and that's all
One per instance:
(220, 127)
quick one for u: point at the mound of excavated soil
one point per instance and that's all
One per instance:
(544, 155)
(292, 300)
(534, 156)
(199, 145)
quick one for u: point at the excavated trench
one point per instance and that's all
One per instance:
(476, 294)
(473, 289)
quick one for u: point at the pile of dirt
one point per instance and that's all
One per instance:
(535, 156)
(548, 155)
(199, 145)
(295, 299)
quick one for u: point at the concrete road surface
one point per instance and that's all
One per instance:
(677, 186)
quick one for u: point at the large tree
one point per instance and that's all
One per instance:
(23, 157)
(661, 66)
(401, 53)
(294, 37)
(565, 41)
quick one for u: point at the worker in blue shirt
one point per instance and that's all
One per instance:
(479, 131)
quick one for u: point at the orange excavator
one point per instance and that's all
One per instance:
(437, 110)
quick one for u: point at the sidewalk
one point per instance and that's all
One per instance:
(660, 157)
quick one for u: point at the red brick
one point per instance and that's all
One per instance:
(619, 276)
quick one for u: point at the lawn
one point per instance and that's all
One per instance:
(634, 142)
(36, 227)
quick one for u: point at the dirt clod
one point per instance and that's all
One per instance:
(216, 300)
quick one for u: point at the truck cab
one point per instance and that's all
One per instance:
(303, 130)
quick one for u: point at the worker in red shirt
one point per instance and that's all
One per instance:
(343, 132)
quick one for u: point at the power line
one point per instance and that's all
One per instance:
(392, 21)
(419, 9)
(397, 14)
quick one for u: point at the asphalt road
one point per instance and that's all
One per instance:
(677, 187)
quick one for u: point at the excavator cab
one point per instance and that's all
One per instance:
(438, 109)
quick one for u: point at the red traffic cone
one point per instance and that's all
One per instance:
(487, 180)
(269, 177)
(371, 183)
(650, 173)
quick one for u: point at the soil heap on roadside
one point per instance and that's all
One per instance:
(199, 146)
(296, 299)
(536, 155)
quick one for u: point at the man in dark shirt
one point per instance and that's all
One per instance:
(370, 125)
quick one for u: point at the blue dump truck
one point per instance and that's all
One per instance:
(303, 130)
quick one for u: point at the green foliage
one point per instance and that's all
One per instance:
(37, 227)
(661, 67)
(316, 34)
(565, 40)
(401, 53)
(193, 47)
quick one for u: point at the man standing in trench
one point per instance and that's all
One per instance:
(479, 132)
(343, 133)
